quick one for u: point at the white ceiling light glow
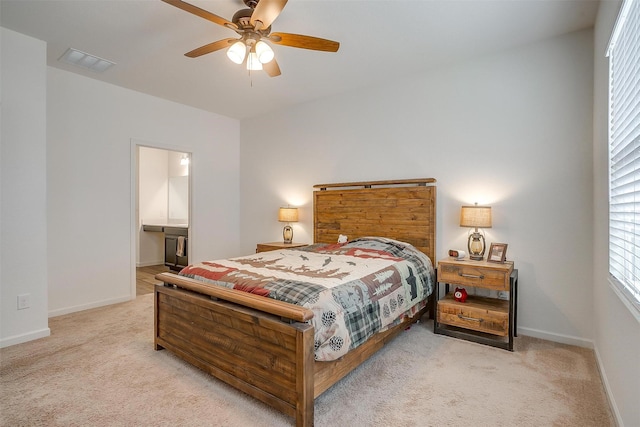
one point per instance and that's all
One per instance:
(253, 63)
(237, 52)
(260, 53)
(264, 52)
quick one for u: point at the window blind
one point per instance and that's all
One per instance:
(624, 152)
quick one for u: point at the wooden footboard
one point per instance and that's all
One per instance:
(266, 352)
(253, 351)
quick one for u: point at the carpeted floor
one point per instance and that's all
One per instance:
(98, 368)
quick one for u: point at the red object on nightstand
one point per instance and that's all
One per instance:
(460, 294)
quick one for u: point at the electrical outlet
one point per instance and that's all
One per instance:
(503, 295)
(23, 301)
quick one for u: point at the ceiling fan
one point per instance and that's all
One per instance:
(254, 27)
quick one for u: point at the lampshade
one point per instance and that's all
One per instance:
(475, 216)
(236, 52)
(288, 215)
(264, 52)
(253, 63)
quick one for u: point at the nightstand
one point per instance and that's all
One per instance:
(272, 246)
(486, 320)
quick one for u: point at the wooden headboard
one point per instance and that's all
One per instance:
(403, 210)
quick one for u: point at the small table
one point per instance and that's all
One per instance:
(486, 320)
(272, 246)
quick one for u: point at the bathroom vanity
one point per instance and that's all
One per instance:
(176, 236)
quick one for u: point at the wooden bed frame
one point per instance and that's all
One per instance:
(264, 347)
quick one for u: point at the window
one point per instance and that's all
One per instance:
(624, 153)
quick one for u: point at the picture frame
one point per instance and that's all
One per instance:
(497, 253)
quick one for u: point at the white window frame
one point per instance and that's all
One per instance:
(624, 156)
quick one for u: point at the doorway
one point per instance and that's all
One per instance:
(145, 278)
(162, 191)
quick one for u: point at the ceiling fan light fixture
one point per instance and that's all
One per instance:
(253, 64)
(237, 52)
(253, 24)
(264, 52)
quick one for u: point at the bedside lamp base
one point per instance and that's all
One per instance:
(287, 234)
(476, 246)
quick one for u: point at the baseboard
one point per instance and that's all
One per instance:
(19, 339)
(149, 263)
(563, 339)
(607, 389)
(68, 310)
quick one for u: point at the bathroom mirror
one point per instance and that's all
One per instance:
(178, 199)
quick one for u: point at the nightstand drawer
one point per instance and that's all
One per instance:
(466, 273)
(487, 315)
(273, 246)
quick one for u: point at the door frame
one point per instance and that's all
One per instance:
(134, 144)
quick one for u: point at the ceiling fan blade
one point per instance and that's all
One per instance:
(272, 68)
(211, 47)
(304, 42)
(202, 13)
(266, 12)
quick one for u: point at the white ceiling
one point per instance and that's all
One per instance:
(380, 41)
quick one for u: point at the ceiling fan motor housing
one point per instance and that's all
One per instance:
(251, 3)
(242, 19)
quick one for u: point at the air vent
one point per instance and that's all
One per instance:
(85, 60)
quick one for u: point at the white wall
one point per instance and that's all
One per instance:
(91, 136)
(23, 197)
(512, 130)
(617, 331)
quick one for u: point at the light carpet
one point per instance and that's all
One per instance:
(99, 368)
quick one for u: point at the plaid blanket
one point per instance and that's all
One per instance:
(355, 289)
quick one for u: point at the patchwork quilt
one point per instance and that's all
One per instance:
(355, 290)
